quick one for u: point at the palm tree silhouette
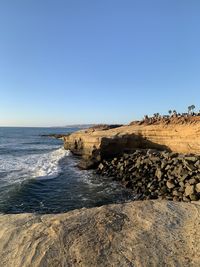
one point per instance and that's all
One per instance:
(192, 107)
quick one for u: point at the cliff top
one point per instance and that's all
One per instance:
(177, 123)
(168, 120)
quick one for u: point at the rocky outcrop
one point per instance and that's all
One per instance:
(57, 136)
(152, 174)
(97, 144)
(104, 127)
(147, 233)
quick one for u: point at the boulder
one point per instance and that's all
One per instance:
(101, 166)
(148, 178)
(170, 184)
(189, 190)
(87, 164)
(191, 158)
(197, 187)
(159, 173)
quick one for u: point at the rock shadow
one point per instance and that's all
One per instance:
(129, 143)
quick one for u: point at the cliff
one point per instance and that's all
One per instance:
(94, 145)
(147, 233)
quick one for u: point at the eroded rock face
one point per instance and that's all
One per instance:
(95, 145)
(147, 233)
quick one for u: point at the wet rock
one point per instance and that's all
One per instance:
(87, 164)
(101, 166)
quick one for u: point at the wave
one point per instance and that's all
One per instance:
(48, 166)
(40, 166)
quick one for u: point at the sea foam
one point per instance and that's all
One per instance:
(40, 166)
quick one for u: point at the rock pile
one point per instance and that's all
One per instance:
(154, 174)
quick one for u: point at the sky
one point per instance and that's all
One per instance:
(97, 61)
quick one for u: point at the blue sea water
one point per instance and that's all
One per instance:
(38, 175)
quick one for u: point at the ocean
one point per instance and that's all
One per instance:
(38, 175)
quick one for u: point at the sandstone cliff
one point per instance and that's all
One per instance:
(98, 144)
(148, 233)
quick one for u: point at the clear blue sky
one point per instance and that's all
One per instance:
(85, 61)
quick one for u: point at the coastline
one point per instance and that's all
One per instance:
(157, 161)
(97, 144)
(151, 232)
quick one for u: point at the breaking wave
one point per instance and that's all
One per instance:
(40, 166)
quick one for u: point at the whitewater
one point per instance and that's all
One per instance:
(38, 175)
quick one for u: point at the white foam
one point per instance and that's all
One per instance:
(48, 166)
(41, 166)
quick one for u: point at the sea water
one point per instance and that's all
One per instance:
(38, 175)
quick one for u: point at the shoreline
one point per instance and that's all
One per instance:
(145, 232)
(156, 161)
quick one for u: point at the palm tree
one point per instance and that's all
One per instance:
(156, 115)
(174, 113)
(192, 107)
(189, 109)
(170, 112)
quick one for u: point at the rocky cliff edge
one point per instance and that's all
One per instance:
(94, 145)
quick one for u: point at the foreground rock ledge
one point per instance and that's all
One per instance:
(143, 233)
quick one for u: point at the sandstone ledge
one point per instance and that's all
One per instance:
(95, 145)
(143, 233)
